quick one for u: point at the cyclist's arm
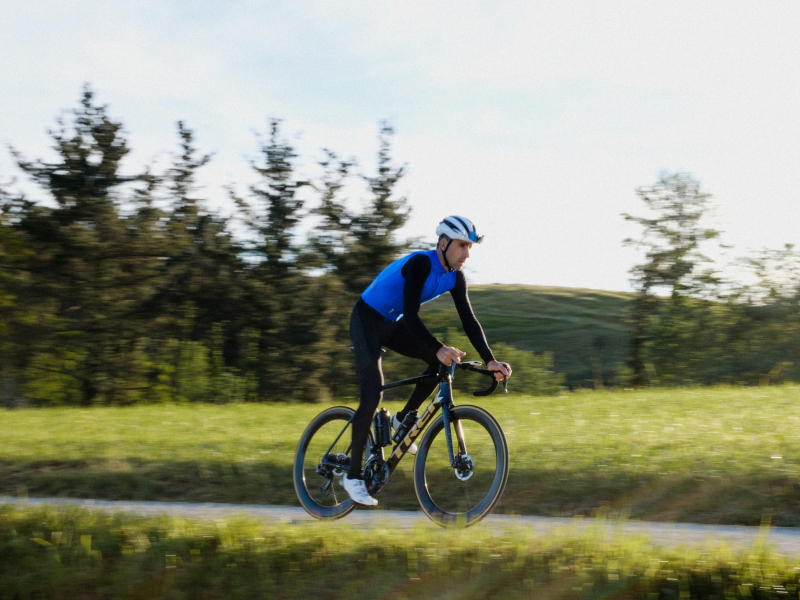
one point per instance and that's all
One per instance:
(471, 326)
(416, 271)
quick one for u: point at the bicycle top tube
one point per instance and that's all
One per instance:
(443, 374)
(418, 379)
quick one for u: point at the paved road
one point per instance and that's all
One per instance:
(785, 539)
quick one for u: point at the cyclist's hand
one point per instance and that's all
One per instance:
(501, 369)
(448, 355)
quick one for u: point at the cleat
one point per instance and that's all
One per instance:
(412, 449)
(357, 490)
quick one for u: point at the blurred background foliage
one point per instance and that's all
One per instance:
(128, 288)
(693, 320)
(123, 289)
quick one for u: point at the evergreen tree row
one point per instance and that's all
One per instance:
(128, 289)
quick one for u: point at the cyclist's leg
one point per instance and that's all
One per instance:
(421, 393)
(366, 333)
(405, 343)
(370, 378)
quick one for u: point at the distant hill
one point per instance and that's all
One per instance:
(586, 330)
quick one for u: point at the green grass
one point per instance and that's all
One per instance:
(586, 330)
(701, 455)
(75, 553)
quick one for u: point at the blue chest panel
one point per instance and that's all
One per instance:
(385, 294)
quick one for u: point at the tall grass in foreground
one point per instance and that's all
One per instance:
(74, 553)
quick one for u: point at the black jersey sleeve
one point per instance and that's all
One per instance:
(471, 326)
(415, 272)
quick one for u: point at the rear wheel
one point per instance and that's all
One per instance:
(316, 480)
(461, 496)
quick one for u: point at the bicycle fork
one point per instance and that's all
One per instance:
(446, 388)
(462, 445)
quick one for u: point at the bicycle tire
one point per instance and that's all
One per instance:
(315, 441)
(444, 497)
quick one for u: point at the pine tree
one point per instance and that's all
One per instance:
(21, 312)
(86, 259)
(356, 245)
(291, 309)
(201, 281)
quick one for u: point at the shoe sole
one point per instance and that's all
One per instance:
(356, 502)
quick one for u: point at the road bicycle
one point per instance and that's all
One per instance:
(460, 469)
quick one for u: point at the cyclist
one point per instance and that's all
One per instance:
(387, 314)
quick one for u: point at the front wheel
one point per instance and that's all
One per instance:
(463, 495)
(316, 480)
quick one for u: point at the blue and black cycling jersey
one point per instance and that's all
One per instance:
(402, 287)
(385, 294)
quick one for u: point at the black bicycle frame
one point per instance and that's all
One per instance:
(443, 400)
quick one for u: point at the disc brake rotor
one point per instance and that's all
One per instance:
(465, 467)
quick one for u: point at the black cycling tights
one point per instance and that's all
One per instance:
(369, 331)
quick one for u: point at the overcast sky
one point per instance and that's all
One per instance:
(537, 120)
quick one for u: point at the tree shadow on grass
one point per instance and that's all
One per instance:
(173, 481)
(733, 499)
(738, 498)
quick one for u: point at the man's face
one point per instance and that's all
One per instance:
(457, 253)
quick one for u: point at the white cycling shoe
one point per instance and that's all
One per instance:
(357, 490)
(412, 449)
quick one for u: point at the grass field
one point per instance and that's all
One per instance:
(71, 553)
(724, 455)
(586, 330)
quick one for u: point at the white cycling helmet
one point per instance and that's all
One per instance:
(459, 228)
